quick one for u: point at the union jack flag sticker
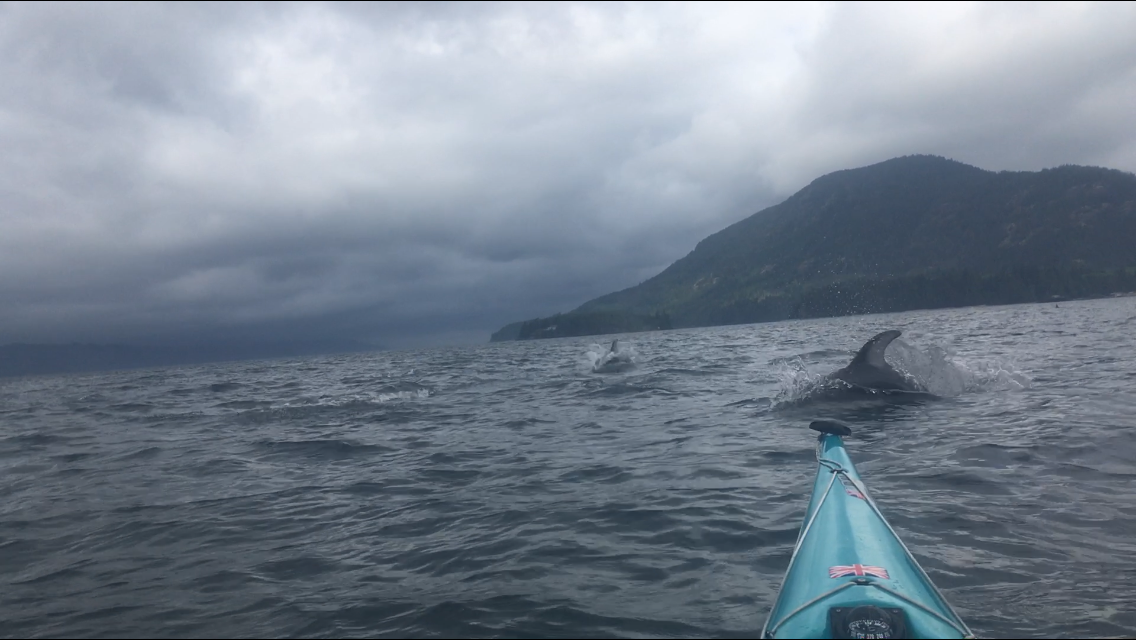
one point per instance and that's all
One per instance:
(842, 570)
(850, 488)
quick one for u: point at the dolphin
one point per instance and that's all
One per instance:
(613, 360)
(869, 369)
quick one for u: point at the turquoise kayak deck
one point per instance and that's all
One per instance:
(848, 556)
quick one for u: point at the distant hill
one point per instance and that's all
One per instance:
(912, 232)
(508, 332)
(39, 359)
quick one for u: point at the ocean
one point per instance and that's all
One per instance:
(507, 490)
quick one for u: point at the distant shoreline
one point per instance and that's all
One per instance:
(812, 305)
(23, 359)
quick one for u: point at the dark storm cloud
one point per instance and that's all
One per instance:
(413, 173)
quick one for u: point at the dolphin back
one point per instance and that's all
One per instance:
(870, 370)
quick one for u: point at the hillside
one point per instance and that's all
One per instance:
(911, 232)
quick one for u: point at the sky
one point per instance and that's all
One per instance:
(420, 174)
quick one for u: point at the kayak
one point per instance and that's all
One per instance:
(850, 576)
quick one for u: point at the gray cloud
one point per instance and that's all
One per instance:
(422, 173)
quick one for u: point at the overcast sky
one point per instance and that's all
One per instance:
(421, 174)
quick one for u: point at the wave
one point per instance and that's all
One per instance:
(323, 448)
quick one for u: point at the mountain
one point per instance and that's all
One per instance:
(38, 359)
(911, 232)
(510, 331)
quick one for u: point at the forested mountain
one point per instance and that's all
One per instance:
(911, 232)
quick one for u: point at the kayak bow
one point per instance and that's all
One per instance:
(850, 575)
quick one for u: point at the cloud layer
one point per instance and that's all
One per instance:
(418, 174)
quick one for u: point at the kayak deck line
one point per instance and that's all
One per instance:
(872, 579)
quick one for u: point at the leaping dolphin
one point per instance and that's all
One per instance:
(613, 360)
(869, 369)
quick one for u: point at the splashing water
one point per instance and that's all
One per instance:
(943, 374)
(997, 376)
(795, 381)
(417, 394)
(934, 369)
(602, 360)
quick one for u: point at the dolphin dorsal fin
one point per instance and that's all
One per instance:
(872, 352)
(614, 345)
